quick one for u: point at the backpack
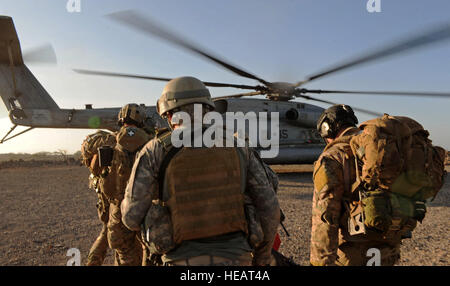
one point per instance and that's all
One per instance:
(89, 149)
(398, 170)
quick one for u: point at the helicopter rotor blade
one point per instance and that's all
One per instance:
(113, 74)
(240, 95)
(399, 93)
(136, 76)
(370, 112)
(425, 39)
(138, 22)
(44, 54)
(241, 86)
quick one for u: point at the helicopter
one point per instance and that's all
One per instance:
(30, 105)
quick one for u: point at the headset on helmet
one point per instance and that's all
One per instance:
(334, 119)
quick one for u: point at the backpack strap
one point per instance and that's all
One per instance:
(162, 170)
(346, 169)
(164, 137)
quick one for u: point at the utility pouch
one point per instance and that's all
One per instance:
(402, 206)
(406, 208)
(105, 154)
(157, 230)
(377, 213)
(255, 232)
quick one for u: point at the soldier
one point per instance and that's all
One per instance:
(103, 185)
(190, 201)
(334, 174)
(130, 138)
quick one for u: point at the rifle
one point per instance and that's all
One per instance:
(282, 218)
(281, 260)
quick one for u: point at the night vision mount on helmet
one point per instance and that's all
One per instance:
(131, 114)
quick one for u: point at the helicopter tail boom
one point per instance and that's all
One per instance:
(26, 100)
(19, 89)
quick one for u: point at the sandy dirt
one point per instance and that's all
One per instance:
(47, 210)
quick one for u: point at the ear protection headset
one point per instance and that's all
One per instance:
(334, 118)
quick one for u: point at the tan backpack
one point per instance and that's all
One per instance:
(398, 169)
(89, 149)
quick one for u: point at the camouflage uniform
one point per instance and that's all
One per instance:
(143, 188)
(98, 250)
(331, 243)
(102, 183)
(128, 249)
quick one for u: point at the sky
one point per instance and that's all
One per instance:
(283, 40)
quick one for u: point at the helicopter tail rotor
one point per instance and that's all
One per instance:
(44, 54)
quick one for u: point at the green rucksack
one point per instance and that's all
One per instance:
(398, 171)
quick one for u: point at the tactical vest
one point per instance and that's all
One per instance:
(203, 189)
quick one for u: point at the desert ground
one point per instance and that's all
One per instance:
(47, 210)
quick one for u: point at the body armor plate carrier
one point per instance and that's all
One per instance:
(205, 189)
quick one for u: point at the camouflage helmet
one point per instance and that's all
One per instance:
(131, 114)
(182, 91)
(334, 119)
